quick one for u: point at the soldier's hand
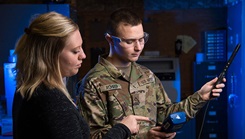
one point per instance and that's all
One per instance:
(208, 87)
(156, 133)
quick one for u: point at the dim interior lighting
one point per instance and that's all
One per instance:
(54, 1)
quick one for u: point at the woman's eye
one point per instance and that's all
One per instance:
(75, 52)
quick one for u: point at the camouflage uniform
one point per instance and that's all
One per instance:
(106, 97)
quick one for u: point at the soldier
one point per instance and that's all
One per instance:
(117, 86)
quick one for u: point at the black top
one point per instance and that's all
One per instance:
(48, 114)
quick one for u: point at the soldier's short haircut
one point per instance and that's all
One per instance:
(122, 15)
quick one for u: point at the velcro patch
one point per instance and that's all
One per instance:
(109, 87)
(146, 81)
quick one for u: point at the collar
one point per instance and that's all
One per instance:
(136, 71)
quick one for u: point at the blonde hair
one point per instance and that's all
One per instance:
(38, 52)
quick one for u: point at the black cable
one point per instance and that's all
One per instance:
(203, 120)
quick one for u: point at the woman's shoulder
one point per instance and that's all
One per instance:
(44, 91)
(50, 97)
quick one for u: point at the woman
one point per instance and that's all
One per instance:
(50, 50)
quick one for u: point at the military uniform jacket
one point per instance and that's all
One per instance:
(106, 97)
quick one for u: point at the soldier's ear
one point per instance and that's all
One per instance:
(109, 39)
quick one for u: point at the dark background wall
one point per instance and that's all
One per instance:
(163, 20)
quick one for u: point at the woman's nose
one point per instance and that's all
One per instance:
(82, 55)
